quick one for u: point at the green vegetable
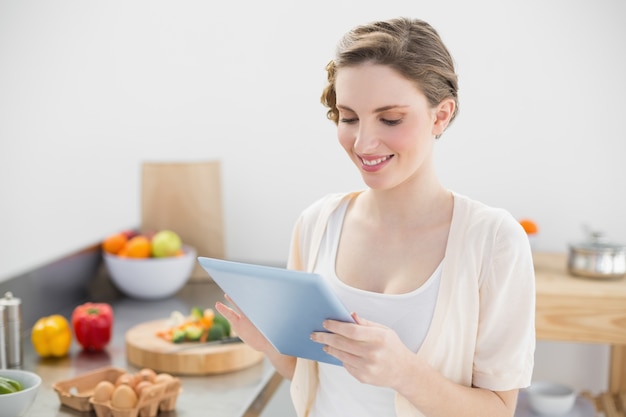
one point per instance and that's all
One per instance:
(16, 384)
(178, 336)
(197, 313)
(9, 386)
(216, 332)
(222, 321)
(193, 333)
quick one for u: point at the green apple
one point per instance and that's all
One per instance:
(166, 243)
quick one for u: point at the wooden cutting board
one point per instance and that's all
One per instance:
(145, 349)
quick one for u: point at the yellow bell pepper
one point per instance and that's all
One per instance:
(52, 336)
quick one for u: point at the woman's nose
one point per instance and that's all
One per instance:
(366, 139)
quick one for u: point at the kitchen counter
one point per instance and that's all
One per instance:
(568, 309)
(242, 393)
(574, 309)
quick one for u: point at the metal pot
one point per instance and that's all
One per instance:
(597, 258)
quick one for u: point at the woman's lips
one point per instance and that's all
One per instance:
(373, 164)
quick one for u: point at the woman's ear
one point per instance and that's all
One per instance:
(443, 114)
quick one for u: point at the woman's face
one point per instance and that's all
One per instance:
(386, 124)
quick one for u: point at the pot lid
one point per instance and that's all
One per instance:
(598, 243)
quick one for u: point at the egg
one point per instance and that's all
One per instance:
(125, 379)
(124, 397)
(141, 386)
(146, 374)
(103, 391)
(162, 378)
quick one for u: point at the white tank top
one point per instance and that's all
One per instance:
(409, 314)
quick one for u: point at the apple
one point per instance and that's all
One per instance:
(129, 233)
(165, 243)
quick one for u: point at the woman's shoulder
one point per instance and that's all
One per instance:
(478, 209)
(484, 216)
(326, 204)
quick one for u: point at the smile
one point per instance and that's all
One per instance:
(373, 162)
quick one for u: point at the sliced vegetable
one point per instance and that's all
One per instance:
(197, 313)
(193, 333)
(207, 318)
(9, 386)
(176, 319)
(216, 332)
(196, 327)
(6, 388)
(222, 321)
(178, 335)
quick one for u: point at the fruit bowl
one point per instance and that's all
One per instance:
(550, 398)
(151, 278)
(16, 404)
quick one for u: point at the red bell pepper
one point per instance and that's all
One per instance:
(92, 323)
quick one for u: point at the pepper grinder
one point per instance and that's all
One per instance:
(3, 343)
(12, 307)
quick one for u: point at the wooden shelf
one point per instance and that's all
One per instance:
(579, 309)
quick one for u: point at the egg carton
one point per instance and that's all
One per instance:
(155, 398)
(77, 393)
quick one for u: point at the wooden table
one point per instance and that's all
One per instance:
(586, 310)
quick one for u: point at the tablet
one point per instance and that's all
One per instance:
(285, 305)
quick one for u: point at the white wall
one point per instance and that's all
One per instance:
(89, 90)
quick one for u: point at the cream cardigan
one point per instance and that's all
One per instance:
(482, 332)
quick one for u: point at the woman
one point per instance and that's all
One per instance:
(442, 286)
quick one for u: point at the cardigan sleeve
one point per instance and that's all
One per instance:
(309, 228)
(294, 261)
(505, 344)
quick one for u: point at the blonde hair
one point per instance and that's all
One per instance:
(410, 46)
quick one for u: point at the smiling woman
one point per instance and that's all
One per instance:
(403, 251)
(91, 90)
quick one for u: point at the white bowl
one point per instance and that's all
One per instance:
(550, 398)
(151, 278)
(16, 404)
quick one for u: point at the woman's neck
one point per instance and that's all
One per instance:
(420, 202)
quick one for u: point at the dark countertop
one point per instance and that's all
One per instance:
(242, 393)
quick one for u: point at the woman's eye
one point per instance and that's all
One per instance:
(348, 120)
(391, 122)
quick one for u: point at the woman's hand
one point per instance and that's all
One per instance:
(243, 328)
(371, 352)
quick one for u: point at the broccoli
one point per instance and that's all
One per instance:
(178, 336)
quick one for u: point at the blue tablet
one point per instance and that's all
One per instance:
(285, 305)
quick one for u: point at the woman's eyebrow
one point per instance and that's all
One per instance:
(378, 110)
(346, 108)
(391, 107)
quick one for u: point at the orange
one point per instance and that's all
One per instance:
(138, 247)
(530, 227)
(113, 244)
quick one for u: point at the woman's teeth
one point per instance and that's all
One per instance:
(374, 161)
